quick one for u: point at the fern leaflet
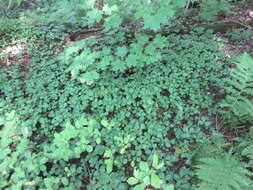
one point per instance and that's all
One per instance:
(223, 173)
(239, 91)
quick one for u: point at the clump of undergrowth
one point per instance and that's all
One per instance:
(125, 109)
(130, 114)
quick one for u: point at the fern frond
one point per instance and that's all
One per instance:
(213, 147)
(223, 173)
(248, 152)
(240, 88)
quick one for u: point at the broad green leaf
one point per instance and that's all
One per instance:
(150, 50)
(103, 64)
(139, 187)
(17, 186)
(98, 140)
(152, 22)
(94, 15)
(118, 65)
(155, 181)
(132, 181)
(169, 187)
(144, 166)
(136, 48)
(89, 77)
(108, 153)
(142, 39)
(132, 60)
(110, 9)
(159, 41)
(92, 123)
(65, 181)
(168, 12)
(81, 122)
(78, 151)
(161, 165)
(179, 3)
(112, 22)
(109, 165)
(137, 174)
(122, 150)
(89, 148)
(75, 69)
(141, 11)
(105, 123)
(146, 180)
(121, 51)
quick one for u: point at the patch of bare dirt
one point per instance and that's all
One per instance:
(14, 53)
(241, 14)
(244, 17)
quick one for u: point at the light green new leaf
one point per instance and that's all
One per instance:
(155, 181)
(81, 122)
(108, 153)
(98, 140)
(132, 181)
(137, 174)
(155, 160)
(139, 187)
(89, 148)
(161, 165)
(146, 180)
(105, 123)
